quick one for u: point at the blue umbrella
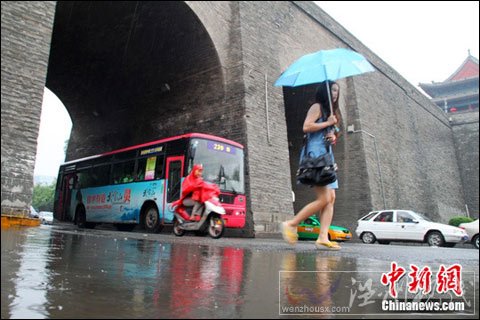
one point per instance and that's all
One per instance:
(324, 65)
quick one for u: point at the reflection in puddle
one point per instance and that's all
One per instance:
(31, 280)
(316, 288)
(203, 281)
(52, 273)
(59, 275)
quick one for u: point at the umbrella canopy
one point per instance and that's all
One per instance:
(324, 65)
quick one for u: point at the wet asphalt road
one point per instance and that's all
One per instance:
(60, 271)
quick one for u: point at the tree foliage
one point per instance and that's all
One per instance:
(43, 195)
(455, 221)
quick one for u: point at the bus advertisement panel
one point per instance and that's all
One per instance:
(119, 203)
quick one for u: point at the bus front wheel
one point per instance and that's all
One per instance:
(151, 219)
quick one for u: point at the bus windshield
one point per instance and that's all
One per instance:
(222, 164)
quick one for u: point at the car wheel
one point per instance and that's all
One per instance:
(368, 237)
(475, 241)
(435, 239)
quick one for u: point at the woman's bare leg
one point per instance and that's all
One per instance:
(311, 208)
(326, 218)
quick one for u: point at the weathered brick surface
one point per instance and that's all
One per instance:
(220, 60)
(26, 33)
(404, 122)
(465, 132)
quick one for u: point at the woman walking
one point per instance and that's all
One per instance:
(317, 125)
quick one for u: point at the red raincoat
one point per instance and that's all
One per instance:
(196, 188)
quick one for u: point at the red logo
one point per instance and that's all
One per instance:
(448, 279)
(392, 277)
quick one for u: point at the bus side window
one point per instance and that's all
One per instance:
(101, 175)
(123, 172)
(83, 179)
(141, 167)
(159, 172)
(128, 171)
(140, 175)
(117, 173)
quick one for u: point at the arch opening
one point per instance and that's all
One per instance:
(130, 72)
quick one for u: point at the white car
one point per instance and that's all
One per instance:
(471, 228)
(33, 212)
(46, 217)
(405, 225)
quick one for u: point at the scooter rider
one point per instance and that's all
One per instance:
(195, 191)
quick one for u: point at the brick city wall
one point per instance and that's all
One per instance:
(413, 137)
(465, 132)
(26, 34)
(414, 143)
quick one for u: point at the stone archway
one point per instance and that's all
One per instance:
(132, 72)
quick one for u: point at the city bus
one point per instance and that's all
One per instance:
(136, 185)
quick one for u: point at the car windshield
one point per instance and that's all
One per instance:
(33, 211)
(423, 217)
(370, 215)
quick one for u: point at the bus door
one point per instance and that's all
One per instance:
(65, 196)
(173, 184)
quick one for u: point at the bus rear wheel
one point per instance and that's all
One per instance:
(151, 219)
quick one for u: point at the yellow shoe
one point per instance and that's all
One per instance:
(289, 234)
(330, 245)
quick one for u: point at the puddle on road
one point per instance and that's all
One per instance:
(47, 273)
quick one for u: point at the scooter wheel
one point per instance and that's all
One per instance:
(177, 230)
(216, 227)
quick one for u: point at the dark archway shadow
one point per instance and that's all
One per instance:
(131, 72)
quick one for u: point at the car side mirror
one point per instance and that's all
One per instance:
(415, 221)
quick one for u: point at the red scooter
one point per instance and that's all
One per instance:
(209, 219)
(199, 208)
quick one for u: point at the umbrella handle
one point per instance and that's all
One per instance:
(329, 99)
(328, 90)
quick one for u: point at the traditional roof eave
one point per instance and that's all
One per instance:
(434, 89)
(438, 85)
(456, 97)
(469, 58)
